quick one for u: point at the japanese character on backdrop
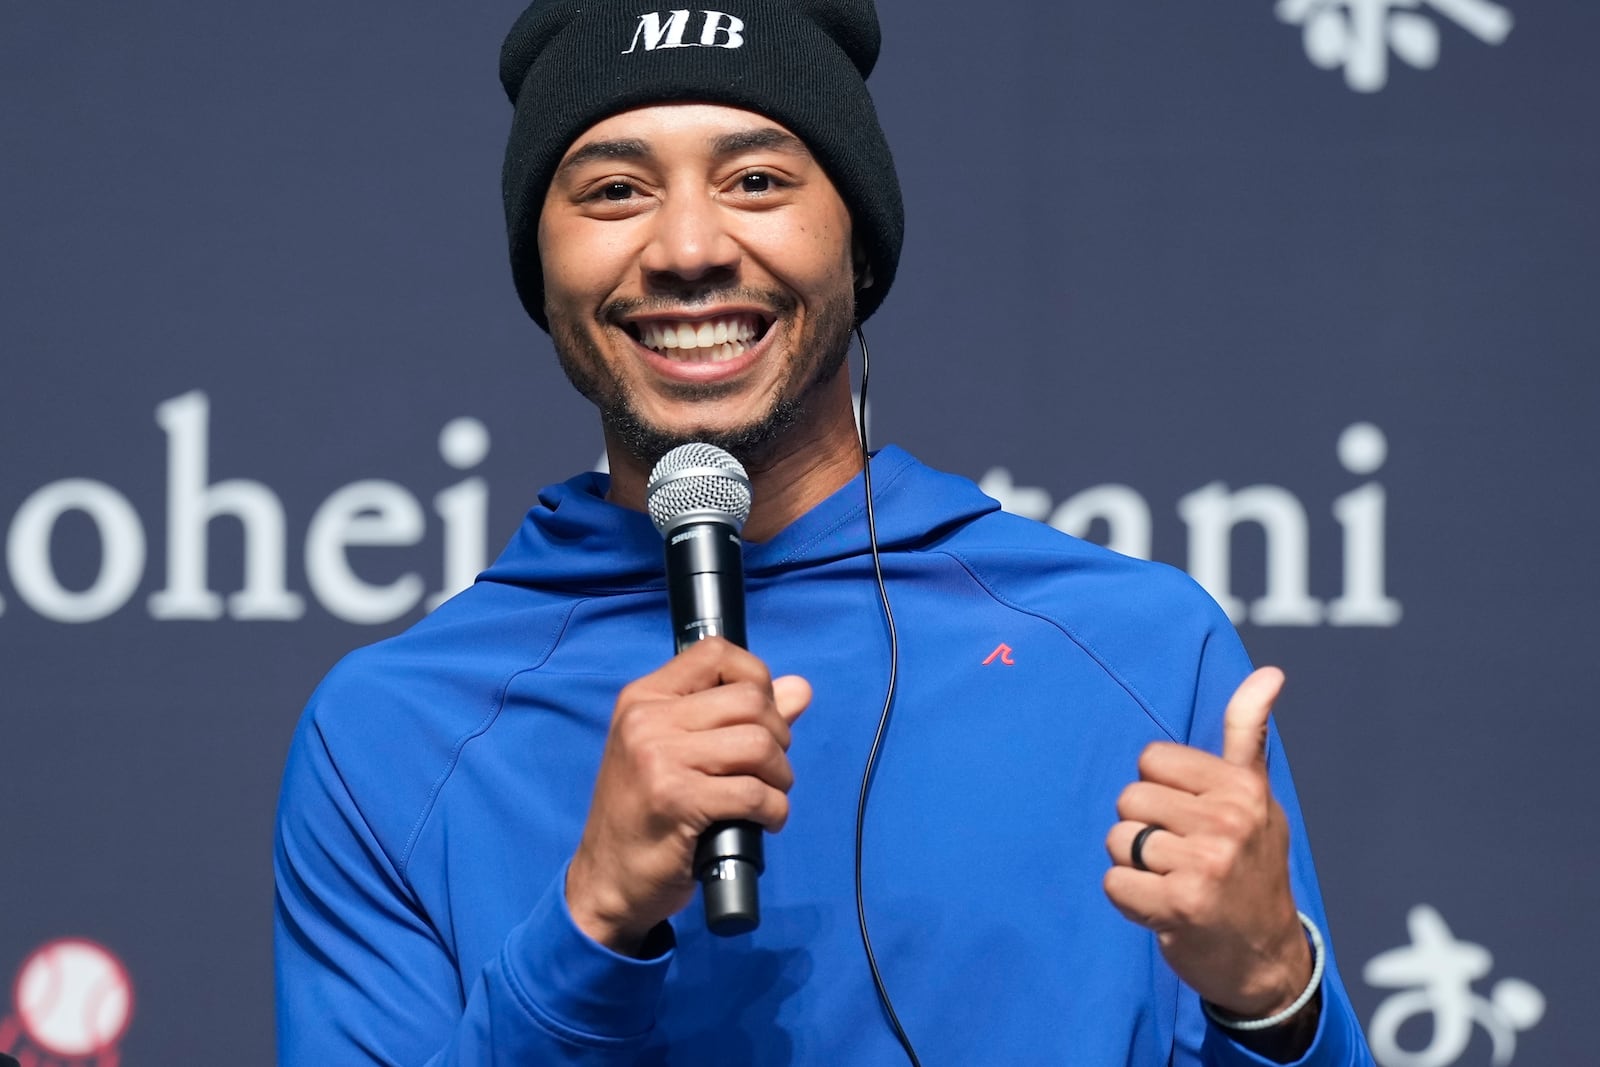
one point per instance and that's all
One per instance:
(1359, 34)
(1436, 972)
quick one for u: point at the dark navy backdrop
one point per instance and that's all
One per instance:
(252, 261)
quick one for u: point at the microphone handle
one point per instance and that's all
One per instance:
(705, 589)
(705, 583)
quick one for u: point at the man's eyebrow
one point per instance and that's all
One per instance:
(594, 151)
(767, 138)
(729, 144)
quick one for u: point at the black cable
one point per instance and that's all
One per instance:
(883, 719)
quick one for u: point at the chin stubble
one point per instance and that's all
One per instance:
(753, 443)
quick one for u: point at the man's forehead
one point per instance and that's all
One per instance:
(716, 129)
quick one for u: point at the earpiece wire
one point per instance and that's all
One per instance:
(883, 719)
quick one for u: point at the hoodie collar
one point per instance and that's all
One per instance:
(574, 538)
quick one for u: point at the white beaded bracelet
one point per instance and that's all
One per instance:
(1318, 959)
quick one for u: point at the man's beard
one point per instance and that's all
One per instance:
(816, 359)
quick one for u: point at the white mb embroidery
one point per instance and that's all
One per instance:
(718, 29)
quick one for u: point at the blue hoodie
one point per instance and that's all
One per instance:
(439, 782)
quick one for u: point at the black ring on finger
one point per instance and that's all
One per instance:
(1137, 852)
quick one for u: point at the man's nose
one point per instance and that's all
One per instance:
(690, 243)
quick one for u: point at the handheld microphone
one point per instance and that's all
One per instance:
(699, 498)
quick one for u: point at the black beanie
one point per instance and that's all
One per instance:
(567, 64)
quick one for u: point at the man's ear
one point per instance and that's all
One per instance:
(858, 256)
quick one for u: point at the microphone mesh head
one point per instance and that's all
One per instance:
(697, 481)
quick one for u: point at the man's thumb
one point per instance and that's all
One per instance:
(1244, 726)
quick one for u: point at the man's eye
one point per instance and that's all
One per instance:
(616, 191)
(755, 183)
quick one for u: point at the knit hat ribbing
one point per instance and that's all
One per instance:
(567, 64)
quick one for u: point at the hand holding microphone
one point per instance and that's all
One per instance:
(695, 748)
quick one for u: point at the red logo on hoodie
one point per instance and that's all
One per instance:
(1003, 653)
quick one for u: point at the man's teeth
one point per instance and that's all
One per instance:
(707, 341)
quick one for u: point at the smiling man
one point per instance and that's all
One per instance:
(698, 277)
(1089, 853)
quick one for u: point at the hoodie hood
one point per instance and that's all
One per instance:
(575, 539)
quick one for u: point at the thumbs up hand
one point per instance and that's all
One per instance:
(1213, 882)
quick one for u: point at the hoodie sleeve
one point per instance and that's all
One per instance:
(1339, 1041)
(363, 976)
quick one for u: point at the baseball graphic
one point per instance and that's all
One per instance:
(73, 997)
